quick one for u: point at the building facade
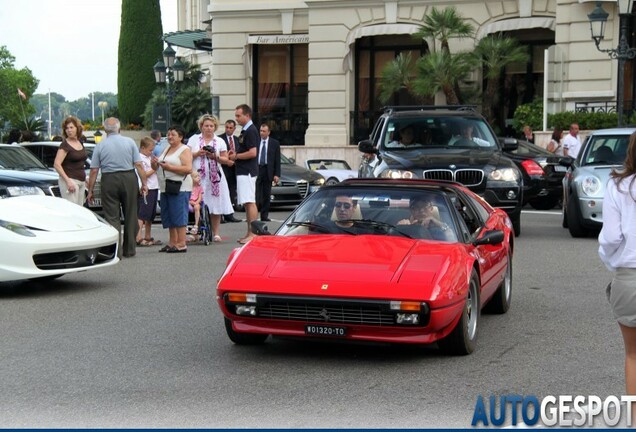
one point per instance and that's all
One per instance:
(311, 68)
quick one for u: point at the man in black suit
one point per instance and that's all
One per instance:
(268, 170)
(229, 170)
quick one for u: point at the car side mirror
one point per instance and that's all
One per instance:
(566, 161)
(260, 228)
(490, 238)
(509, 144)
(366, 146)
(292, 160)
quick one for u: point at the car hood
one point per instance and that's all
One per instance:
(48, 214)
(29, 175)
(294, 172)
(461, 158)
(325, 265)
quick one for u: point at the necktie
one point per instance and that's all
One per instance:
(263, 156)
(231, 139)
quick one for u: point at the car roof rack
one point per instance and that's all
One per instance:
(393, 108)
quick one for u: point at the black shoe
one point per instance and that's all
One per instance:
(232, 219)
(265, 219)
(222, 220)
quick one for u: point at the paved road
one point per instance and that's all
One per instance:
(143, 345)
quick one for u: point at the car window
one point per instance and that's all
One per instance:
(434, 131)
(420, 214)
(19, 158)
(285, 160)
(328, 164)
(48, 155)
(605, 149)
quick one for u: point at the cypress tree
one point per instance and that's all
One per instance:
(140, 46)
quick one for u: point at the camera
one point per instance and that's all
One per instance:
(209, 148)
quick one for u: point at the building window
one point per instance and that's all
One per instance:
(372, 54)
(280, 90)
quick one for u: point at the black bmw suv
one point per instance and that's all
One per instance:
(452, 143)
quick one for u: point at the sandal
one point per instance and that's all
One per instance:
(217, 238)
(166, 248)
(194, 230)
(144, 243)
(174, 249)
(152, 242)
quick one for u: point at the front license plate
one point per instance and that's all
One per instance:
(323, 330)
(559, 168)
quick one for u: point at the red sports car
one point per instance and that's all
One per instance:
(407, 261)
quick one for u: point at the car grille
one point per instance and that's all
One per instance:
(303, 188)
(75, 259)
(334, 311)
(467, 177)
(55, 191)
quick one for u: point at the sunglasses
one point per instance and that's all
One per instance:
(343, 205)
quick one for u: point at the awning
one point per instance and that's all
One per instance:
(191, 39)
(373, 30)
(516, 24)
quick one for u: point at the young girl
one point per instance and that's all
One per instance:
(147, 205)
(195, 200)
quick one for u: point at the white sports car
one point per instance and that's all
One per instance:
(333, 170)
(47, 237)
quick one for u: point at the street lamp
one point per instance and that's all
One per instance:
(98, 137)
(622, 52)
(102, 105)
(168, 71)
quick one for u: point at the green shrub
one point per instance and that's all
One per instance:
(532, 114)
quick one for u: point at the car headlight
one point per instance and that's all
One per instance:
(17, 228)
(504, 174)
(24, 190)
(318, 182)
(591, 186)
(398, 174)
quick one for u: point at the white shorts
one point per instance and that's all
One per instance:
(245, 189)
(621, 294)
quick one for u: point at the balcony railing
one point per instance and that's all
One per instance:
(592, 107)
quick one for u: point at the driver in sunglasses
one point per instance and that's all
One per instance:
(345, 207)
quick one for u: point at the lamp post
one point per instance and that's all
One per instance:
(102, 105)
(598, 19)
(169, 71)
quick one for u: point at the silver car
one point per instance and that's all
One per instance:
(584, 183)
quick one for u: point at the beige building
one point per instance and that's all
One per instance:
(310, 68)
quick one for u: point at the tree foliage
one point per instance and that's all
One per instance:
(495, 53)
(140, 46)
(440, 71)
(442, 25)
(13, 108)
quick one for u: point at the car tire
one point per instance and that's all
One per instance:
(331, 181)
(544, 204)
(462, 340)
(577, 230)
(243, 338)
(500, 302)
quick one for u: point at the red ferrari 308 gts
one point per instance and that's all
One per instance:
(406, 261)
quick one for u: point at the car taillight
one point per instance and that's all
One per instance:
(531, 167)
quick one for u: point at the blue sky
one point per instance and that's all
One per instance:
(69, 45)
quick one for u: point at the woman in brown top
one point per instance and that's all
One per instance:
(70, 162)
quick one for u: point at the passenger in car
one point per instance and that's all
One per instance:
(404, 138)
(425, 213)
(345, 209)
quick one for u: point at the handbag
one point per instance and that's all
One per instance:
(173, 187)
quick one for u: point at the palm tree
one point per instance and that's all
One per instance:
(189, 104)
(495, 52)
(444, 24)
(396, 75)
(441, 71)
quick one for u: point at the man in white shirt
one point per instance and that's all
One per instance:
(571, 142)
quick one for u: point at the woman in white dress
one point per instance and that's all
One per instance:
(209, 152)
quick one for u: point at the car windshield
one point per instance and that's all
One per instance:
(605, 150)
(18, 158)
(328, 164)
(437, 131)
(407, 213)
(285, 160)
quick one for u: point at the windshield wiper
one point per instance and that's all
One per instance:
(387, 228)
